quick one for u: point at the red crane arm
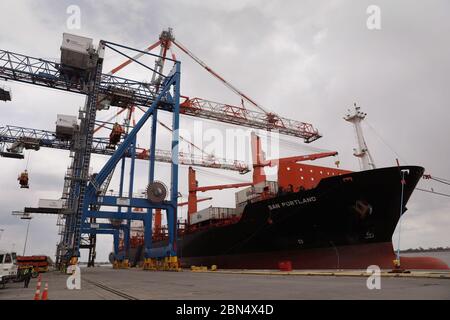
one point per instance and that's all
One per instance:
(183, 204)
(136, 57)
(223, 186)
(309, 157)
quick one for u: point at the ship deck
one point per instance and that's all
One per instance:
(104, 283)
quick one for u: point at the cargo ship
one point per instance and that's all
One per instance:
(313, 217)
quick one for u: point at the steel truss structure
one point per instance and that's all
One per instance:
(13, 139)
(48, 74)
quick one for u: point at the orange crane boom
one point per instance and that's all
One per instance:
(263, 120)
(183, 204)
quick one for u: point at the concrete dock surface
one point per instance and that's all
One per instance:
(105, 283)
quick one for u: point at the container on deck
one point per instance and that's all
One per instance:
(212, 214)
(252, 193)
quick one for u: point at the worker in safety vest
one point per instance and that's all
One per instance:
(116, 134)
(23, 179)
(27, 276)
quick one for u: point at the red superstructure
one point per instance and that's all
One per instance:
(292, 174)
(305, 176)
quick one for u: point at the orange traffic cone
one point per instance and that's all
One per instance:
(37, 295)
(39, 282)
(45, 293)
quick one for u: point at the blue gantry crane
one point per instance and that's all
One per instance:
(155, 191)
(85, 77)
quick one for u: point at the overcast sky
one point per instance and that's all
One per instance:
(306, 60)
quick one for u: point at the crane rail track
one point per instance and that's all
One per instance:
(112, 290)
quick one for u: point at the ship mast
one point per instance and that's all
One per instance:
(362, 152)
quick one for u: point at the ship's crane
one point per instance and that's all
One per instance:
(259, 163)
(184, 204)
(194, 188)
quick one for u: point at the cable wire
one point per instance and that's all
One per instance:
(384, 141)
(433, 192)
(446, 180)
(443, 181)
(28, 160)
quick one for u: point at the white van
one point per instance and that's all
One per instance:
(8, 267)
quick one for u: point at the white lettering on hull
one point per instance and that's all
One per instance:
(291, 203)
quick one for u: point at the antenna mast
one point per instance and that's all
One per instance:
(362, 152)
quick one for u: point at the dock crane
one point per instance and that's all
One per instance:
(40, 72)
(154, 97)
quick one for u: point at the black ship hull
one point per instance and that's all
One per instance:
(345, 222)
